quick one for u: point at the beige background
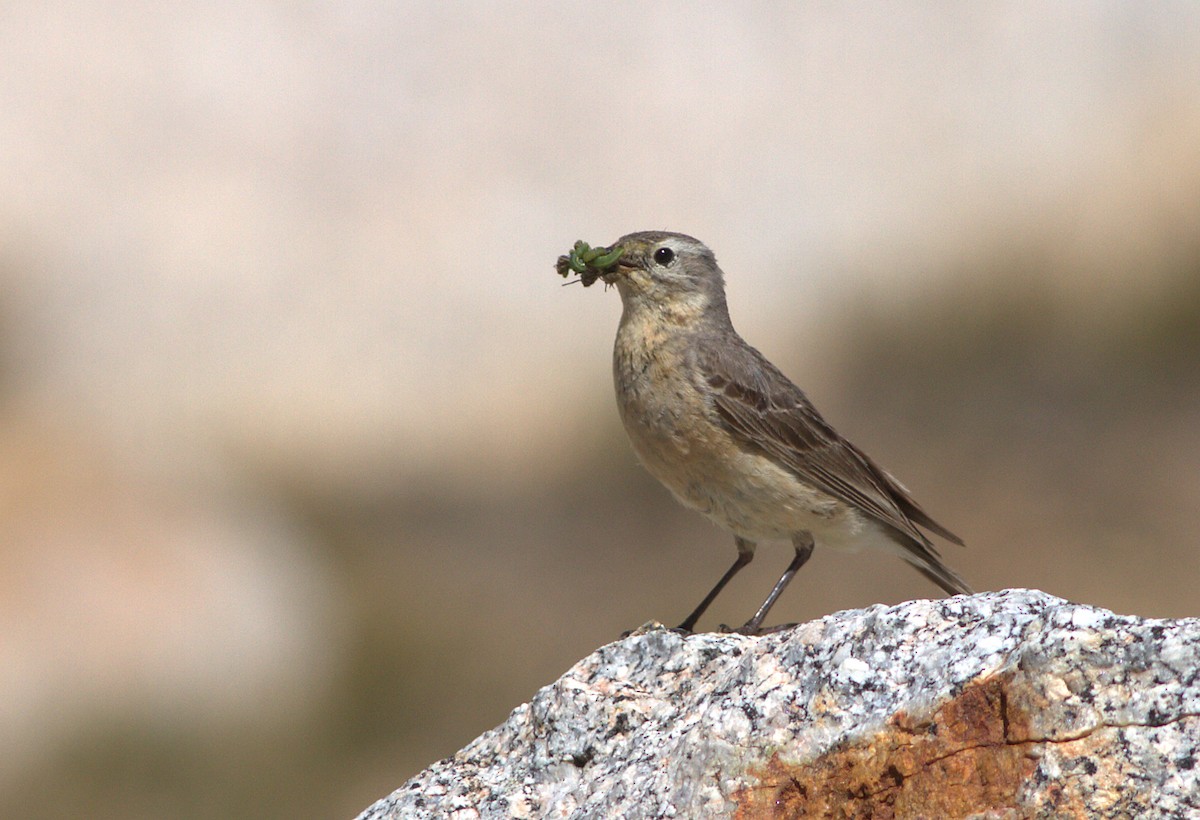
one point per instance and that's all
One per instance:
(310, 467)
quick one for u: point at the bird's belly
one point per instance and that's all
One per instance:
(754, 498)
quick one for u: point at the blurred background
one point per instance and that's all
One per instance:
(310, 468)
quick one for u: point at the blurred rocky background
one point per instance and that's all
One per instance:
(309, 468)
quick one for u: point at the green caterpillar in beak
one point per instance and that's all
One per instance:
(587, 261)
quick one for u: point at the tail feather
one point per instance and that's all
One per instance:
(919, 516)
(933, 569)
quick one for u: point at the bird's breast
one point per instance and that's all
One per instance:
(667, 418)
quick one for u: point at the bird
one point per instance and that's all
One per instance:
(730, 435)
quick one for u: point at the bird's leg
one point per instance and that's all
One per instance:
(745, 554)
(803, 542)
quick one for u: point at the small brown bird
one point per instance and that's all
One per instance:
(730, 436)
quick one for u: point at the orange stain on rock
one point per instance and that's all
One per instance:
(971, 755)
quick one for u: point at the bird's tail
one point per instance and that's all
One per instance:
(932, 568)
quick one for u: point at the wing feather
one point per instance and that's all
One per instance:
(766, 411)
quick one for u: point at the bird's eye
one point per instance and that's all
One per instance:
(664, 256)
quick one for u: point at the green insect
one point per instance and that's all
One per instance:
(588, 262)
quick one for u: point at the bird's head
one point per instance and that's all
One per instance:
(668, 273)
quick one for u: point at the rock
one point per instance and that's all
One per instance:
(1008, 704)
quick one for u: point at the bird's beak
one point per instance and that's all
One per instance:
(622, 268)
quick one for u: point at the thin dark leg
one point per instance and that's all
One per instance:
(804, 547)
(745, 554)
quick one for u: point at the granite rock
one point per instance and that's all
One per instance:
(1008, 704)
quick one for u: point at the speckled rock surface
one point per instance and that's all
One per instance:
(1010, 704)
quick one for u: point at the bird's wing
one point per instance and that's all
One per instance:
(767, 412)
